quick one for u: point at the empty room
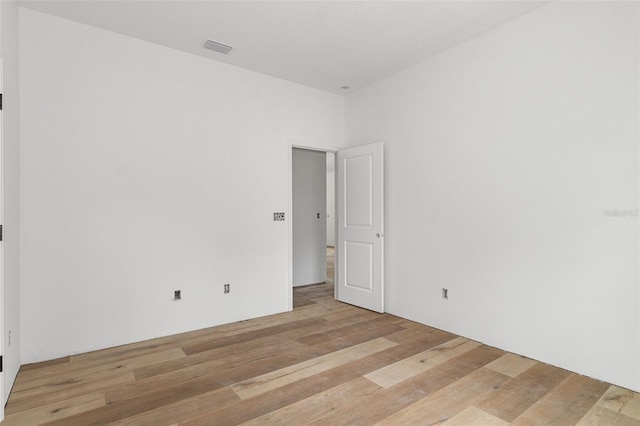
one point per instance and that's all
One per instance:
(470, 254)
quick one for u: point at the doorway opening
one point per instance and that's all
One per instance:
(313, 226)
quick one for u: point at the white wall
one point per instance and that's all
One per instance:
(145, 170)
(309, 217)
(503, 156)
(11, 196)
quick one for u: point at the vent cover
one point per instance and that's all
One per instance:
(217, 47)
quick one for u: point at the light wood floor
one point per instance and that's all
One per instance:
(325, 363)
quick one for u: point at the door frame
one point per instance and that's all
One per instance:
(3, 332)
(328, 148)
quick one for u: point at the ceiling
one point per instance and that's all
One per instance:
(322, 44)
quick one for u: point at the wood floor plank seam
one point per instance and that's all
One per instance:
(57, 410)
(402, 370)
(450, 400)
(278, 378)
(239, 338)
(566, 403)
(523, 390)
(74, 375)
(316, 407)
(389, 401)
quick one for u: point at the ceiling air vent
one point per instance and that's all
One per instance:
(217, 47)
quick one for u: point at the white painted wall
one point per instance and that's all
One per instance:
(11, 195)
(503, 155)
(331, 199)
(309, 217)
(145, 170)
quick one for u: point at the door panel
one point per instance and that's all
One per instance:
(358, 262)
(358, 191)
(359, 247)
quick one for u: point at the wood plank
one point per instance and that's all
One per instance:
(74, 375)
(118, 408)
(599, 415)
(239, 338)
(229, 371)
(520, 393)
(22, 401)
(273, 380)
(291, 393)
(125, 352)
(296, 391)
(354, 392)
(61, 386)
(44, 364)
(336, 315)
(474, 416)
(182, 339)
(632, 408)
(400, 371)
(253, 358)
(413, 346)
(243, 351)
(411, 334)
(58, 410)
(264, 323)
(512, 365)
(450, 400)
(615, 398)
(566, 404)
(352, 339)
(386, 402)
(182, 410)
(622, 401)
(351, 329)
(98, 359)
(228, 356)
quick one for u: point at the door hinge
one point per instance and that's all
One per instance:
(1, 369)
(0, 232)
(0, 101)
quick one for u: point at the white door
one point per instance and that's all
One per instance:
(359, 209)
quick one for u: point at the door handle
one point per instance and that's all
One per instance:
(378, 235)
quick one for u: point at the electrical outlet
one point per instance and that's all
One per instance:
(177, 295)
(227, 288)
(445, 293)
